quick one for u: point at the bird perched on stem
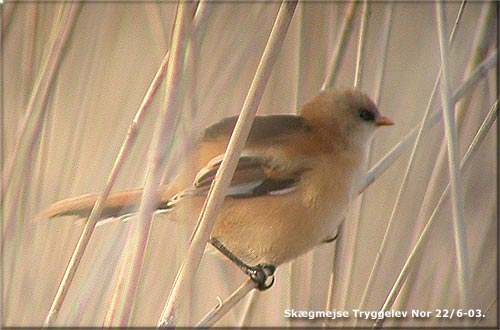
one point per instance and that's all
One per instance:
(291, 188)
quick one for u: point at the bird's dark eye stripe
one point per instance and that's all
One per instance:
(366, 115)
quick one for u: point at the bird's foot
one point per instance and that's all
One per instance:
(329, 240)
(262, 275)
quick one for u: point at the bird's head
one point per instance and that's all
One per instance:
(347, 114)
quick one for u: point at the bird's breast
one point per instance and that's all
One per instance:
(276, 229)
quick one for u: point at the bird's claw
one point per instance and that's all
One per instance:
(262, 275)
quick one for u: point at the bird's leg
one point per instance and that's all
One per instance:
(260, 274)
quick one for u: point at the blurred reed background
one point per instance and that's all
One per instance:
(74, 75)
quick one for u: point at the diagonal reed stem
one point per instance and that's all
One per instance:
(392, 155)
(223, 177)
(473, 147)
(385, 37)
(403, 185)
(122, 301)
(220, 310)
(487, 311)
(31, 124)
(399, 148)
(340, 48)
(341, 244)
(248, 311)
(119, 162)
(360, 57)
(403, 144)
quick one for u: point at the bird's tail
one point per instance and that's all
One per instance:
(116, 205)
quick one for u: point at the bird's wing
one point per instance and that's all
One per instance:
(264, 128)
(254, 176)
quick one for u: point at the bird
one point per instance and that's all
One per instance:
(291, 189)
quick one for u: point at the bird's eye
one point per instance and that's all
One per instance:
(366, 115)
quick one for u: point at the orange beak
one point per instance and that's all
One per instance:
(383, 121)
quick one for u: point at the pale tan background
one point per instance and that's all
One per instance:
(110, 58)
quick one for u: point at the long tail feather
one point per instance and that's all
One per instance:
(117, 204)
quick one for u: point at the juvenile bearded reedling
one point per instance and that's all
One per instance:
(291, 188)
